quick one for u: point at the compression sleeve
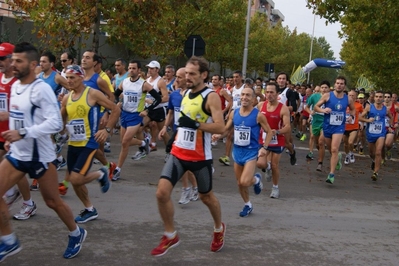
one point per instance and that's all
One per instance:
(157, 99)
(117, 93)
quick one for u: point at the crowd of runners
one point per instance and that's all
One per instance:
(42, 109)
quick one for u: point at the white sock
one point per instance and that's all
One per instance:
(9, 239)
(75, 232)
(275, 186)
(11, 191)
(257, 180)
(142, 143)
(90, 209)
(249, 204)
(170, 235)
(101, 175)
(28, 202)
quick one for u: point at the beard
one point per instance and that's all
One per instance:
(20, 74)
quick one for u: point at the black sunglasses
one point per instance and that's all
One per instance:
(2, 58)
(64, 60)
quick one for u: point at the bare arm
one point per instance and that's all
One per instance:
(362, 116)
(285, 116)
(265, 125)
(102, 84)
(163, 90)
(213, 106)
(323, 100)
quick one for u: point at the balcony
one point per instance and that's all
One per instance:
(277, 15)
(267, 2)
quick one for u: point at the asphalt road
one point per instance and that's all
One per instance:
(353, 222)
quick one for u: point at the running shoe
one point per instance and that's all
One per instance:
(112, 167)
(339, 163)
(165, 245)
(75, 244)
(147, 146)
(34, 186)
(9, 250)
(389, 155)
(58, 149)
(85, 216)
(107, 147)
(153, 147)
(116, 131)
(258, 186)
(309, 156)
(293, 158)
(218, 239)
(10, 200)
(62, 189)
(347, 160)
(26, 212)
(62, 139)
(59, 164)
(303, 138)
(139, 155)
(298, 135)
(104, 181)
(166, 157)
(246, 211)
(361, 151)
(352, 157)
(330, 179)
(95, 161)
(116, 174)
(319, 166)
(275, 193)
(185, 196)
(225, 160)
(194, 194)
(374, 177)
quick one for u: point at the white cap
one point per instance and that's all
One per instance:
(154, 64)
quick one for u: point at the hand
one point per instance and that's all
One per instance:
(162, 132)
(262, 152)
(371, 120)
(101, 136)
(216, 137)
(11, 135)
(185, 121)
(327, 110)
(143, 113)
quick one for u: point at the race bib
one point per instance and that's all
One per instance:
(177, 115)
(375, 128)
(387, 120)
(130, 100)
(186, 138)
(236, 101)
(16, 120)
(273, 141)
(336, 118)
(3, 102)
(77, 130)
(242, 136)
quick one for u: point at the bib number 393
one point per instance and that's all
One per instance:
(186, 138)
(76, 129)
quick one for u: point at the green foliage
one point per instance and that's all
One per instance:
(371, 29)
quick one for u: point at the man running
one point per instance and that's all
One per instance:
(201, 116)
(335, 104)
(34, 116)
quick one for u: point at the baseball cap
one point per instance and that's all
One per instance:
(6, 49)
(154, 64)
(360, 96)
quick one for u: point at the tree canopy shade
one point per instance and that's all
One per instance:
(160, 28)
(371, 30)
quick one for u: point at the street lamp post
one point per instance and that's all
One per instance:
(245, 57)
(311, 44)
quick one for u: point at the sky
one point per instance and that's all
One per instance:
(298, 16)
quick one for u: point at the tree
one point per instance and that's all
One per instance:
(371, 29)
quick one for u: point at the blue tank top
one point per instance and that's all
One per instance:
(169, 86)
(119, 79)
(377, 128)
(174, 104)
(334, 122)
(92, 82)
(246, 130)
(50, 80)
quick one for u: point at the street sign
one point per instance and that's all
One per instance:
(194, 45)
(269, 68)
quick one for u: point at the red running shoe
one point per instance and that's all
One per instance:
(62, 189)
(111, 169)
(218, 240)
(165, 245)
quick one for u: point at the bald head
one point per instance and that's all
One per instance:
(180, 81)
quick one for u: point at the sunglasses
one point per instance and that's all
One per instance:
(2, 58)
(64, 60)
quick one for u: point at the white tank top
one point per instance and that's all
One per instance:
(282, 97)
(34, 107)
(133, 100)
(154, 84)
(236, 93)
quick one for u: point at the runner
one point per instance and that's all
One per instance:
(278, 117)
(335, 103)
(81, 111)
(247, 122)
(192, 151)
(376, 130)
(34, 116)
